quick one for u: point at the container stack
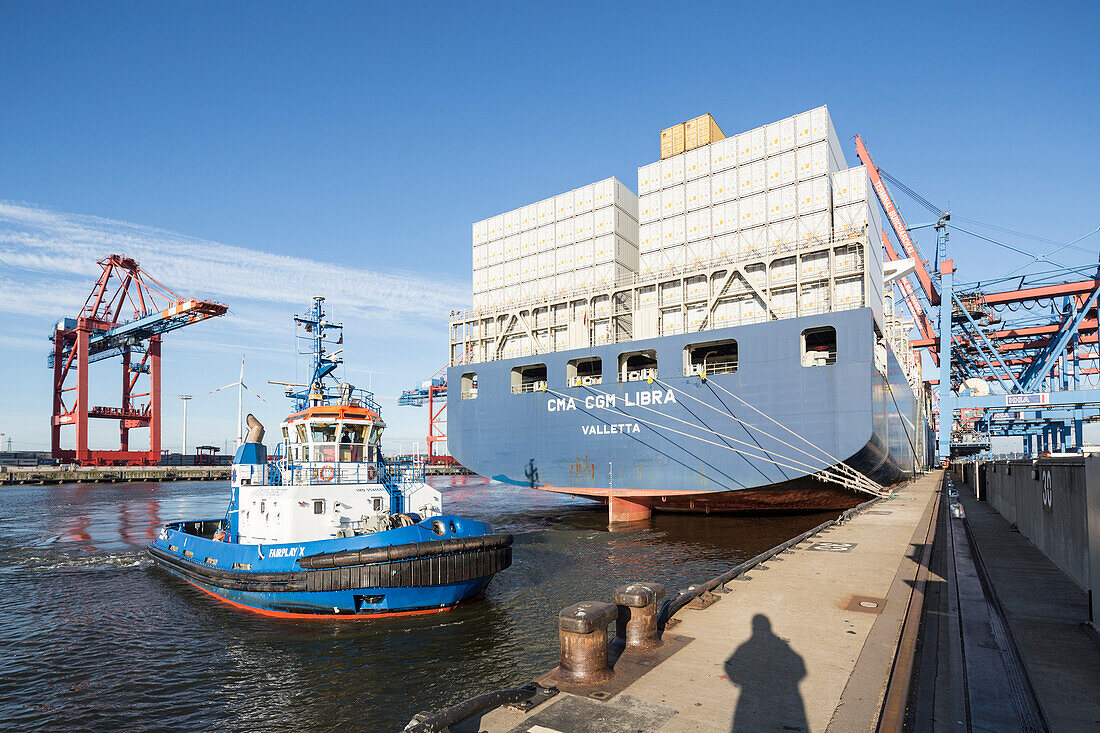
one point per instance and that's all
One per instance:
(583, 238)
(778, 202)
(855, 210)
(740, 196)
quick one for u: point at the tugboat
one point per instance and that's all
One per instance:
(326, 527)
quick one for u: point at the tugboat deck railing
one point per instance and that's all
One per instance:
(396, 476)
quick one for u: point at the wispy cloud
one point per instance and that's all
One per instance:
(44, 247)
(397, 322)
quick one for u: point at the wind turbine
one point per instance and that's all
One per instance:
(241, 386)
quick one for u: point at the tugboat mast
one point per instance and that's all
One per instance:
(316, 328)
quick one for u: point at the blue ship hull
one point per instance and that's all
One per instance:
(683, 443)
(400, 571)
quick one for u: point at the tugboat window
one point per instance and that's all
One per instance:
(584, 372)
(530, 378)
(819, 346)
(638, 366)
(469, 386)
(352, 438)
(318, 506)
(323, 432)
(377, 505)
(713, 357)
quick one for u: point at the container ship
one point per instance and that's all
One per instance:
(722, 341)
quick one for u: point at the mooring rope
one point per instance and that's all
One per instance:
(708, 430)
(679, 432)
(827, 474)
(727, 413)
(841, 465)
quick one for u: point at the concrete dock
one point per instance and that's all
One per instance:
(806, 642)
(927, 612)
(109, 474)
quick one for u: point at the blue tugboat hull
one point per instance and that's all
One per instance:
(344, 604)
(402, 571)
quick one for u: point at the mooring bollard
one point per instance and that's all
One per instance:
(582, 636)
(636, 624)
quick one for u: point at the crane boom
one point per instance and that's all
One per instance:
(911, 301)
(894, 215)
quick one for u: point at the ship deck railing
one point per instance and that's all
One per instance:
(749, 256)
(721, 367)
(536, 386)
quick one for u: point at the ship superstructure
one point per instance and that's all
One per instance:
(753, 267)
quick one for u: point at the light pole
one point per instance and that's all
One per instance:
(185, 398)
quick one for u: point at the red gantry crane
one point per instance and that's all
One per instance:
(125, 316)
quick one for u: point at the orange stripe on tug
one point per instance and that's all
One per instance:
(336, 616)
(336, 411)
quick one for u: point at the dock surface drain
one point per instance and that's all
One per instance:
(865, 604)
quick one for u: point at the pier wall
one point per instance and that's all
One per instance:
(10, 475)
(1048, 501)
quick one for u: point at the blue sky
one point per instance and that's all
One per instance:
(261, 153)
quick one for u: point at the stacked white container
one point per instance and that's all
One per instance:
(579, 239)
(745, 195)
(855, 211)
(854, 204)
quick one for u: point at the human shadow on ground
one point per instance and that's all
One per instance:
(768, 672)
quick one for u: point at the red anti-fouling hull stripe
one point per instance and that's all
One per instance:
(339, 617)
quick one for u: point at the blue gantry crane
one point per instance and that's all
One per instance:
(1016, 354)
(432, 393)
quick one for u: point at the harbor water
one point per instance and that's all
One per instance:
(95, 637)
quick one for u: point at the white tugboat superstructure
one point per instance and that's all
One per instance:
(328, 526)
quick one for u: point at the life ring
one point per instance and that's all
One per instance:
(220, 536)
(328, 473)
(372, 473)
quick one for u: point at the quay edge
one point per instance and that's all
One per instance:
(12, 475)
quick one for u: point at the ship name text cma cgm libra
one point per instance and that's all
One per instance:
(608, 401)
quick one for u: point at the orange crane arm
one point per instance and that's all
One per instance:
(896, 222)
(910, 298)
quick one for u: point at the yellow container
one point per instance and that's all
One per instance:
(702, 130)
(672, 141)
